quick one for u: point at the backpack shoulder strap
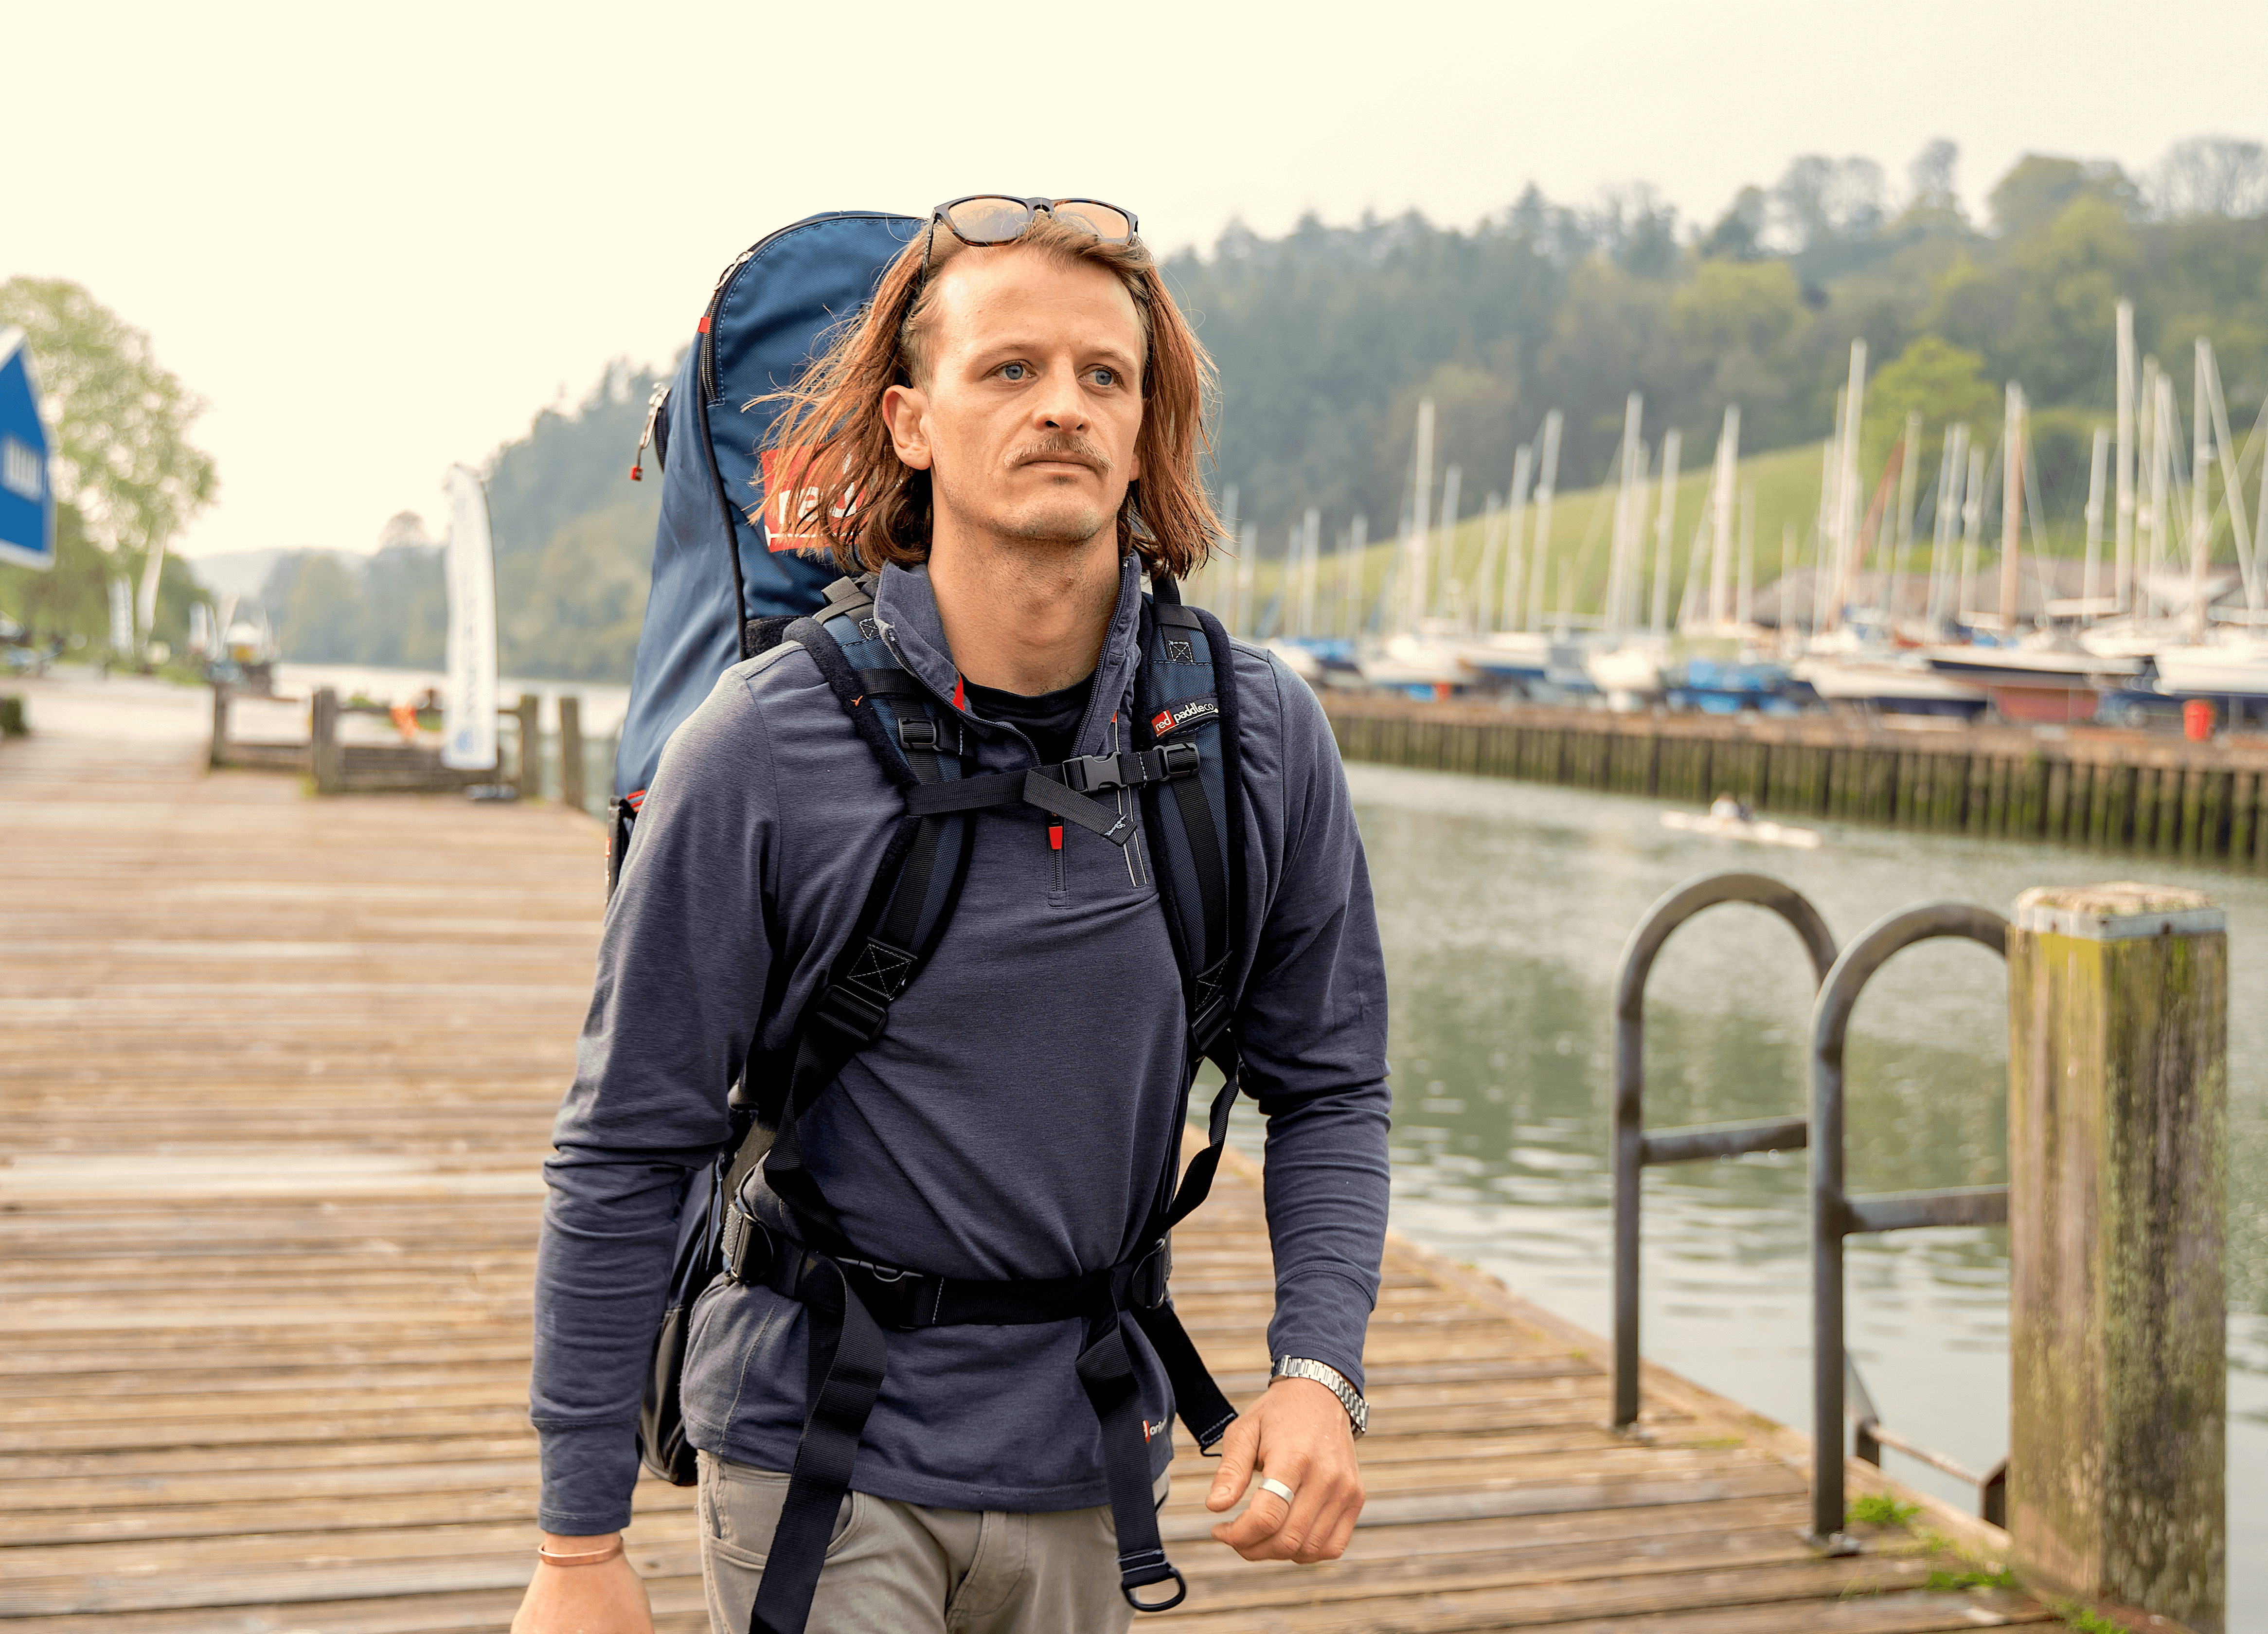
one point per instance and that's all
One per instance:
(1185, 692)
(917, 886)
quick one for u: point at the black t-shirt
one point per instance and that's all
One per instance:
(1049, 720)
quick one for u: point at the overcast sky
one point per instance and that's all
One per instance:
(377, 239)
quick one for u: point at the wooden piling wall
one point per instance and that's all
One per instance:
(2119, 792)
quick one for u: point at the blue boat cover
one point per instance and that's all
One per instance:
(770, 311)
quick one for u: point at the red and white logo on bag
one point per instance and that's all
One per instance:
(1187, 712)
(792, 501)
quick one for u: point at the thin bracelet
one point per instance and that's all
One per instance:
(597, 1556)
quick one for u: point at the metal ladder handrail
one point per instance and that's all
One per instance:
(1835, 1214)
(1634, 1148)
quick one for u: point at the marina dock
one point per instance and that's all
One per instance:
(2137, 792)
(280, 1076)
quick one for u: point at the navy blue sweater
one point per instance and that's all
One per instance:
(1013, 1121)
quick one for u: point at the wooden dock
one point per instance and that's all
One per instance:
(2135, 793)
(280, 1071)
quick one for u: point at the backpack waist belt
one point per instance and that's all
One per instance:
(853, 1303)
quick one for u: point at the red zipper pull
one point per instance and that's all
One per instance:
(653, 412)
(1055, 834)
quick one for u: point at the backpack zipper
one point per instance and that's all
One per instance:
(645, 438)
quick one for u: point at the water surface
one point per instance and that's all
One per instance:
(1504, 906)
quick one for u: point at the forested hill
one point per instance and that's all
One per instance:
(574, 541)
(1328, 337)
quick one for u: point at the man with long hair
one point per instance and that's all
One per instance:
(1010, 436)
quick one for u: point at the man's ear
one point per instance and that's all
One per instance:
(905, 410)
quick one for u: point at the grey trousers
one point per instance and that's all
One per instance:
(896, 1568)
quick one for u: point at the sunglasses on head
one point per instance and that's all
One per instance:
(989, 218)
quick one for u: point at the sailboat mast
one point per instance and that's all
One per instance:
(2094, 478)
(1484, 577)
(1972, 530)
(1747, 603)
(2125, 588)
(2012, 505)
(1625, 495)
(1941, 539)
(1445, 581)
(1909, 482)
(1543, 493)
(1515, 529)
(1422, 521)
(1720, 513)
(1846, 478)
(2232, 491)
(1311, 569)
(2201, 480)
(2162, 464)
(1829, 464)
(1661, 532)
(1358, 548)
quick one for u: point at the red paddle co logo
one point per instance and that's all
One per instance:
(793, 503)
(1182, 714)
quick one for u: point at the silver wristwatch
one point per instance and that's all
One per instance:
(1332, 1379)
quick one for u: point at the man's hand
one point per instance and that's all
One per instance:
(604, 1599)
(1297, 1434)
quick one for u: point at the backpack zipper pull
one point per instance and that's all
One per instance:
(652, 413)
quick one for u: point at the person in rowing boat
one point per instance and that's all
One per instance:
(1008, 1136)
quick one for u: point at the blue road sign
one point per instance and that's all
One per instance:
(27, 504)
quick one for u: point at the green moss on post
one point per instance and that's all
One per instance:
(2118, 1193)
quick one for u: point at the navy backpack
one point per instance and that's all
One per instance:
(714, 569)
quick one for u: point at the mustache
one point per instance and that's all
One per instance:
(1064, 446)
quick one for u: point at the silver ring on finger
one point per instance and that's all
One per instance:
(1269, 1484)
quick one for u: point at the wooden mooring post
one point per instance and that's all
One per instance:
(571, 752)
(527, 772)
(2117, 1184)
(324, 758)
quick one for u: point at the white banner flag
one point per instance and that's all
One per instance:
(121, 615)
(468, 711)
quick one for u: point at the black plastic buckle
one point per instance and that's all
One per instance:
(860, 1020)
(894, 1298)
(1140, 1576)
(1179, 759)
(1084, 774)
(918, 732)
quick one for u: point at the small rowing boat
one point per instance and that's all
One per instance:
(1756, 831)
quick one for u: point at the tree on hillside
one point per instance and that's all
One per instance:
(1739, 234)
(1945, 383)
(121, 461)
(2040, 187)
(2211, 175)
(1933, 177)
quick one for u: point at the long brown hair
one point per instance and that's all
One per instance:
(873, 508)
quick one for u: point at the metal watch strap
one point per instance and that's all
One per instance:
(1332, 1379)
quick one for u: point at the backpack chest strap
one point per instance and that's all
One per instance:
(1062, 789)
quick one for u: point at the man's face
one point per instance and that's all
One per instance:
(1028, 420)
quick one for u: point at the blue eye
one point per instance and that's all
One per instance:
(1105, 377)
(1015, 372)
